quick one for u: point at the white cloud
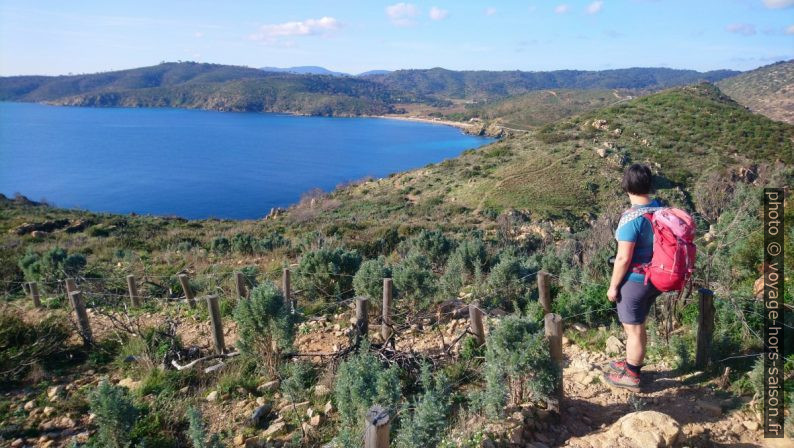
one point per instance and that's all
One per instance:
(402, 14)
(490, 11)
(198, 34)
(778, 4)
(595, 7)
(307, 27)
(562, 9)
(438, 13)
(790, 30)
(745, 29)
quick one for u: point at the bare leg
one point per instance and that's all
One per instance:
(636, 339)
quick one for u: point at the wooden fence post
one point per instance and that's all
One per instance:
(133, 289)
(475, 322)
(217, 325)
(70, 287)
(185, 282)
(553, 331)
(376, 433)
(544, 292)
(242, 291)
(385, 326)
(287, 289)
(83, 324)
(34, 294)
(705, 328)
(362, 323)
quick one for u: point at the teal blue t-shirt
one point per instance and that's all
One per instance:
(637, 230)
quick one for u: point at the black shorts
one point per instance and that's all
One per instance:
(635, 301)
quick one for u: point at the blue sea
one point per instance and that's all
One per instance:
(199, 164)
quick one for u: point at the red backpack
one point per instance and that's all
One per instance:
(674, 249)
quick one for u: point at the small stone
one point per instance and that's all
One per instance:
(315, 420)
(566, 341)
(275, 429)
(83, 437)
(129, 383)
(54, 391)
(270, 386)
(614, 346)
(328, 408)
(184, 390)
(17, 443)
(66, 422)
(212, 396)
(579, 327)
(260, 401)
(30, 405)
(48, 411)
(239, 439)
(252, 442)
(260, 415)
(48, 443)
(751, 425)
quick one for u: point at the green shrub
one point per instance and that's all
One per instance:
(265, 325)
(244, 243)
(327, 273)
(432, 243)
(589, 304)
(506, 284)
(23, 344)
(197, 433)
(518, 366)
(115, 415)
(368, 281)
(424, 427)
(298, 378)
(55, 264)
(361, 382)
(414, 279)
(273, 241)
(220, 245)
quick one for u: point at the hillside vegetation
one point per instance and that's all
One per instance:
(535, 109)
(220, 87)
(475, 229)
(768, 90)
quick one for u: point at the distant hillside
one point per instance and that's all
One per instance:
(45, 88)
(304, 70)
(484, 85)
(222, 87)
(768, 90)
(534, 109)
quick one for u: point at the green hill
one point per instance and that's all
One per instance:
(485, 85)
(768, 90)
(534, 109)
(222, 87)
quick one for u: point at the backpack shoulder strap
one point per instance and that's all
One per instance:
(634, 213)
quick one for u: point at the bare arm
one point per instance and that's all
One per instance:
(621, 267)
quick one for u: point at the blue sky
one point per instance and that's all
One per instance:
(58, 37)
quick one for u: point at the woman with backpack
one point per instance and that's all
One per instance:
(655, 254)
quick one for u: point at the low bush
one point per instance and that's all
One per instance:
(115, 415)
(414, 279)
(197, 433)
(54, 264)
(220, 245)
(327, 273)
(368, 281)
(518, 366)
(265, 325)
(425, 425)
(361, 382)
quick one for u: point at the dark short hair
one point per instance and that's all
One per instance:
(637, 179)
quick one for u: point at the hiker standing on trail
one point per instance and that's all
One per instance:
(656, 254)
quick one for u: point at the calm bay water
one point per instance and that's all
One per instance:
(199, 164)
